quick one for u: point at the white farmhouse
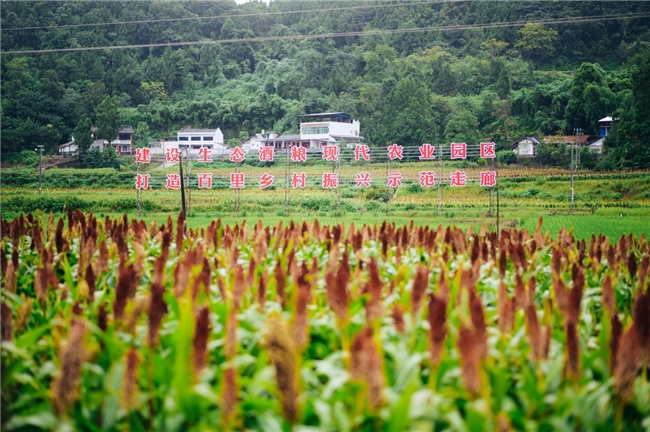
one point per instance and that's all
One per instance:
(68, 149)
(199, 137)
(191, 141)
(329, 128)
(255, 142)
(525, 147)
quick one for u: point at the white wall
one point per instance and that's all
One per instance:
(334, 129)
(526, 147)
(217, 136)
(159, 148)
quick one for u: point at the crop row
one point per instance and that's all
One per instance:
(113, 324)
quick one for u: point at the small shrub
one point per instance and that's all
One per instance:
(506, 157)
(414, 189)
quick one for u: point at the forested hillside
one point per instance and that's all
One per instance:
(456, 81)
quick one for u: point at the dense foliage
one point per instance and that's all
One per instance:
(113, 325)
(470, 84)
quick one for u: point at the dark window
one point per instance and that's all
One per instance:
(183, 139)
(208, 138)
(196, 138)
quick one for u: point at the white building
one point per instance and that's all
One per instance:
(525, 147)
(597, 145)
(200, 136)
(191, 141)
(332, 127)
(68, 149)
(255, 142)
(123, 142)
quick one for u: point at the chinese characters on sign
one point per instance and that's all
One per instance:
(488, 178)
(237, 181)
(237, 155)
(143, 155)
(171, 155)
(266, 154)
(426, 152)
(427, 178)
(394, 179)
(205, 180)
(331, 152)
(173, 181)
(459, 151)
(363, 179)
(142, 181)
(266, 180)
(205, 154)
(361, 151)
(487, 151)
(330, 180)
(298, 154)
(458, 178)
(298, 180)
(395, 152)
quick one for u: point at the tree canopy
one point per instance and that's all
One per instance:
(418, 86)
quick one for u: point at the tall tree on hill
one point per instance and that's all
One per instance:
(407, 115)
(81, 135)
(462, 127)
(537, 42)
(591, 98)
(502, 85)
(626, 146)
(108, 118)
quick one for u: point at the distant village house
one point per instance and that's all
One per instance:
(123, 142)
(316, 130)
(191, 141)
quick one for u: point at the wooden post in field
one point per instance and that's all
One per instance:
(138, 191)
(440, 185)
(388, 193)
(237, 194)
(183, 208)
(287, 176)
(188, 184)
(337, 170)
(496, 168)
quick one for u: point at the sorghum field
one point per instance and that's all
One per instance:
(115, 325)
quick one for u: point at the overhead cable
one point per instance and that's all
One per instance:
(550, 21)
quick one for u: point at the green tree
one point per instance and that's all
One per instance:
(407, 116)
(627, 144)
(494, 47)
(537, 42)
(502, 86)
(110, 157)
(506, 157)
(378, 62)
(591, 98)
(462, 127)
(141, 135)
(108, 118)
(82, 135)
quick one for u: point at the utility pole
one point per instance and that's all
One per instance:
(577, 133)
(440, 184)
(39, 148)
(182, 187)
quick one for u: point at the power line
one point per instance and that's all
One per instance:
(344, 34)
(244, 15)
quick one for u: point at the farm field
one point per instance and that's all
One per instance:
(613, 204)
(114, 324)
